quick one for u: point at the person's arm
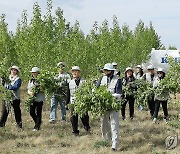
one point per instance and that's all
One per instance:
(68, 95)
(68, 78)
(29, 88)
(135, 75)
(155, 83)
(16, 85)
(29, 85)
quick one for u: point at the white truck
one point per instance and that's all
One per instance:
(158, 58)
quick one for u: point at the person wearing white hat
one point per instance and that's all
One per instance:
(162, 98)
(14, 86)
(59, 95)
(150, 77)
(138, 74)
(37, 104)
(150, 67)
(110, 120)
(76, 82)
(35, 70)
(116, 71)
(61, 65)
(128, 80)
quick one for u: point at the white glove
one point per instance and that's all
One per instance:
(116, 95)
(93, 90)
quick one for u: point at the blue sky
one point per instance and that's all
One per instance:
(164, 14)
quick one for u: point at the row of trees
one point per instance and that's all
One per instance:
(48, 39)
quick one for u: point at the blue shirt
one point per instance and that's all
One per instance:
(16, 85)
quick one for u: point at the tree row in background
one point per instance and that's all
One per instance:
(48, 39)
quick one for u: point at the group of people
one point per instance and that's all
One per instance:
(110, 77)
(157, 99)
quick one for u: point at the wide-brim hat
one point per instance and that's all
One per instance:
(114, 64)
(150, 67)
(161, 70)
(128, 68)
(61, 64)
(109, 67)
(139, 66)
(75, 68)
(35, 69)
(14, 67)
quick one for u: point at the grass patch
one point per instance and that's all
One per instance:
(174, 124)
(101, 143)
(4, 135)
(65, 144)
(20, 144)
(61, 135)
(138, 136)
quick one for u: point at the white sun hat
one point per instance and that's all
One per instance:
(114, 64)
(75, 68)
(139, 66)
(35, 69)
(129, 68)
(61, 63)
(109, 67)
(150, 67)
(160, 70)
(14, 67)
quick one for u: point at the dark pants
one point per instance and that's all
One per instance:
(151, 106)
(164, 106)
(17, 111)
(131, 107)
(36, 113)
(74, 122)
